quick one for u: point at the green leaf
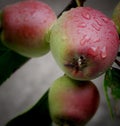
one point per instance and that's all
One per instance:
(112, 81)
(38, 115)
(9, 62)
(106, 85)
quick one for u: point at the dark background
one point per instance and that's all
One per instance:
(28, 84)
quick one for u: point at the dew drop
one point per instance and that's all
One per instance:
(86, 15)
(103, 52)
(92, 51)
(96, 27)
(98, 21)
(84, 40)
(96, 39)
(106, 20)
(82, 25)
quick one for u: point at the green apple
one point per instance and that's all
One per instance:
(116, 16)
(26, 26)
(72, 102)
(84, 43)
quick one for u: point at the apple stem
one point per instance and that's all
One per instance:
(80, 3)
(117, 62)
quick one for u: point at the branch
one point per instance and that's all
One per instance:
(80, 2)
(72, 4)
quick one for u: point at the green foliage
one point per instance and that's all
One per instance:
(112, 82)
(38, 115)
(9, 62)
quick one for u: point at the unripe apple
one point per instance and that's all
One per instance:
(25, 27)
(84, 43)
(72, 102)
(116, 16)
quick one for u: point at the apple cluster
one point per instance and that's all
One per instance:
(83, 41)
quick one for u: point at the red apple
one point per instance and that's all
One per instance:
(84, 43)
(25, 27)
(72, 102)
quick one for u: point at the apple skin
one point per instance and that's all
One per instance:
(26, 26)
(116, 16)
(72, 102)
(84, 43)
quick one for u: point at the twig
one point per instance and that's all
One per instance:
(72, 4)
(81, 2)
(78, 3)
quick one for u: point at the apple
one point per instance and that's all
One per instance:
(72, 102)
(84, 43)
(116, 16)
(26, 26)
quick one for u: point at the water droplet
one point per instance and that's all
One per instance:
(86, 15)
(92, 51)
(106, 20)
(84, 40)
(103, 52)
(96, 39)
(98, 21)
(82, 24)
(96, 27)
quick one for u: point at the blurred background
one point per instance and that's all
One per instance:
(26, 86)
